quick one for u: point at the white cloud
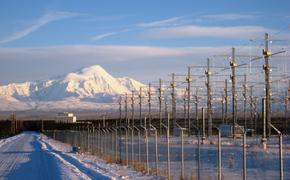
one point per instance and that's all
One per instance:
(103, 53)
(145, 26)
(42, 21)
(181, 26)
(165, 22)
(208, 31)
(101, 36)
(141, 62)
(228, 16)
(102, 18)
(105, 35)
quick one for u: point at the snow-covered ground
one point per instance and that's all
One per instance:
(34, 156)
(261, 164)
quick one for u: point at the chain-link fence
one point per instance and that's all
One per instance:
(180, 156)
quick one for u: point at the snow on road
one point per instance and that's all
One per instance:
(25, 158)
(31, 156)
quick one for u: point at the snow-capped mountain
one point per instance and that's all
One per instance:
(80, 89)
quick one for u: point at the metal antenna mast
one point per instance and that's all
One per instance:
(223, 108)
(267, 53)
(251, 106)
(149, 103)
(226, 100)
(140, 106)
(209, 98)
(120, 110)
(132, 106)
(188, 79)
(245, 87)
(233, 65)
(126, 107)
(160, 104)
(173, 100)
(286, 113)
(196, 107)
(184, 106)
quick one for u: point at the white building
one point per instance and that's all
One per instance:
(66, 117)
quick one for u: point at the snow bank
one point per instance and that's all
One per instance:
(93, 163)
(7, 140)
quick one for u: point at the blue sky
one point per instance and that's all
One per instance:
(141, 39)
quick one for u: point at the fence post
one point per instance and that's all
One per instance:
(219, 154)
(182, 156)
(132, 145)
(181, 151)
(147, 149)
(112, 143)
(104, 138)
(244, 155)
(126, 146)
(88, 138)
(147, 152)
(93, 139)
(198, 160)
(281, 166)
(168, 145)
(281, 157)
(120, 144)
(244, 152)
(203, 124)
(139, 147)
(116, 144)
(156, 148)
(99, 140)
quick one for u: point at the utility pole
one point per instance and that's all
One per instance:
(140, 106)
(233, 65)
(226, 100)
(149, 104)
(245, 87)
(188, 79)
(209, 98)
(160, 104)
(173, 101)
(267, 53)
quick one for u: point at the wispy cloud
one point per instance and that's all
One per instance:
(208, 31)
(105, 35)
(228, 16)
(183, 27)
(103, 53)
(165, 22)
(42, 21)
(123, 60)
(102, 18)
(174, 21)
(101, 36)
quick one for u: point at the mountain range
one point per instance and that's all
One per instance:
(89, 88)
